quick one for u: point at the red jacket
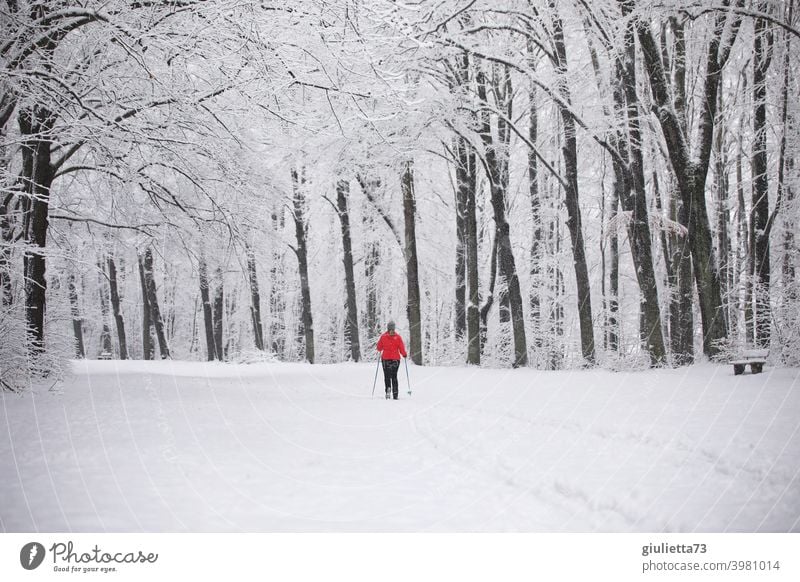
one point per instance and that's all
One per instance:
(391, 346)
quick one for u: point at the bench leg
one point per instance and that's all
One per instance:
(738, 369)
(755, 368)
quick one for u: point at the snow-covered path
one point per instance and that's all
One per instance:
(176, 446)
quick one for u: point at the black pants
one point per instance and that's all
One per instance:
(390, 368)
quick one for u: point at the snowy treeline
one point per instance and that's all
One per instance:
(551, 183)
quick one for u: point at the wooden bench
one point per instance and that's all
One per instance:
(755, 358)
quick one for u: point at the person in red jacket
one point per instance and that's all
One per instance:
(391, 348)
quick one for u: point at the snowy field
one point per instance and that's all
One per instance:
(177, 446)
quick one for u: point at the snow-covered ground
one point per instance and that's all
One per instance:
(176, 446)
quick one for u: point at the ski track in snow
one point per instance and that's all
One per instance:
(180, 446)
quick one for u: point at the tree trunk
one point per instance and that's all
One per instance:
(217, 311)
(152, 300)
(37, 175)
(105, 335)
(462, 193)
(762, 56)
(412, 268)
(570, 153)
(147, 324)
(301, 231)
(77, 321)
(467, 161)
(613, 272)
(116, 310)
(634, 200)
(496, 155)
(682, 282)
(208, 316)
(351, 329)
(255, 299)
(467, 282)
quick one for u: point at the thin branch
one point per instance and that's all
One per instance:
(139, 227)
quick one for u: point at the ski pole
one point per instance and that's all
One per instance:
(408, 380)
(376, 377)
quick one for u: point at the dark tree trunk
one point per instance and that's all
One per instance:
(759, 234)
(208, 316)
(634, 201)
(147, 324)
(152, 300)
(570, 153)
(496, 155)
(37, 175)
(468, 164)
(117, 311)
(351, 328)
(77, 320)
(255, 299)
(218, 309)
(682, 282)
(301, 231)
(412, 268)
(462, 194)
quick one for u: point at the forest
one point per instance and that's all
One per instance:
(555, 184)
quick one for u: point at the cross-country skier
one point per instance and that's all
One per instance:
(391, 347)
